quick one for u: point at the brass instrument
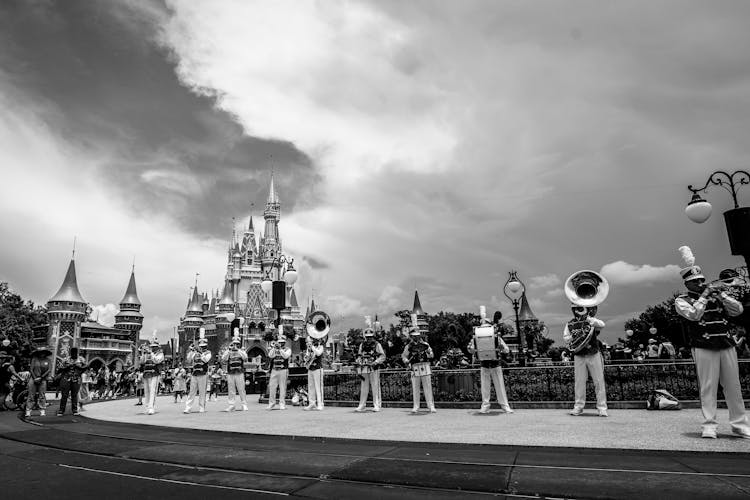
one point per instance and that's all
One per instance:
(206, 356)
(158, 357)
(584, 289)
(318, 324)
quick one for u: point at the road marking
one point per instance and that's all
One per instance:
(189, 483)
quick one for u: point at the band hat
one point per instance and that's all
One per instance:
(691, 271)
(652, 341)
(414, 331)
(203, 342)
(236, 340)
(369, 332)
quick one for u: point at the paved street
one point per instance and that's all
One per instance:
(89, 457)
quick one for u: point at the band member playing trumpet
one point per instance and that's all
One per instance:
(417, 355)
(151, 360)
(370, 357)
(199, 356)
(707, 310)
(235, 359)
(279, 354)
(586, 289)
(489, 359)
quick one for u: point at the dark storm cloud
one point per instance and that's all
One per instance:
(103, 83)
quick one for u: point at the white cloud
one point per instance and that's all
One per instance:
(391, 298)
(105, 314)
(342, 305)
(622, 273)
(545, 281)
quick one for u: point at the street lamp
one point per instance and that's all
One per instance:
(737, 219)
(514, 289)
(286, 276)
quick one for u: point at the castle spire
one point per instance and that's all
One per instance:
(417, 309)
(131, 295)
(68, 292)
(272, 197)
(525, 313)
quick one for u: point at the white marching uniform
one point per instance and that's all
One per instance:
(151, 371)
(315, 378)
(279, 374)
(421, 372)
(588, 361)
(492, 373)
(198, 382)
(235, 377)
(370, 374)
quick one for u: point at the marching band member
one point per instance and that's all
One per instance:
(371, 356)
(314, 363)
(491, 371)
(199, 357)
(279, 354)
(707, 310)
(417, 355)
(587, 360)
(151, 360)
(235, 359)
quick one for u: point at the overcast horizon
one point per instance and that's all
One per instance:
(414, 145)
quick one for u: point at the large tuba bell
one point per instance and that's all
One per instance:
(318, 324)
(586, 288)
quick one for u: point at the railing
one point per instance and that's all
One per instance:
(625, 382)
(106, 345)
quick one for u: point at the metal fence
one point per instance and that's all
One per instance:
(625, 382)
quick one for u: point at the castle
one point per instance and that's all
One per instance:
(70, 326)
(242, 303)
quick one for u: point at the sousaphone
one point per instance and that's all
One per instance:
(318, 325)
(585, 289)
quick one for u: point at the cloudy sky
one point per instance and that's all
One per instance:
(426, 144)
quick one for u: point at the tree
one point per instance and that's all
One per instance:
(449, 330)
(536, 335)
(664, 318)
(18, 318)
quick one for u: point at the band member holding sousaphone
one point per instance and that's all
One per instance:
(151, 361)
(586, 290)
(417, 355)
(318, 326)
(707, 310)
(235, 358)
(279, 355)
(487, 345)
(369, 359)
(200, 357)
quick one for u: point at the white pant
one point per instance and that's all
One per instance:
(278, 381)
(371, 379)
(315, 387)
(197, 385)
(489, 376)
(426, 381)
(719, 367)
(150, 388)
(585, 365)
(236, 385)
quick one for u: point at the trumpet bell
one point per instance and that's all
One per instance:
(586, 288)
(318, 324)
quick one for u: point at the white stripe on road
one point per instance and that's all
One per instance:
(189, 483)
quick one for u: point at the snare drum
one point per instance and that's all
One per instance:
(421, 369)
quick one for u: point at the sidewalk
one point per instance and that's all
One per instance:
(624, 429)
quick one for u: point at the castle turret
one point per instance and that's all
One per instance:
(421, 315)
(226, 307)
(270, 243)
(129, 318)
(193, 317)
(66, 311)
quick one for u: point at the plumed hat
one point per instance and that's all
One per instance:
(691, 271)
(202, 340)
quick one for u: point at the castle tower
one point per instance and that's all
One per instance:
(248, 249)
(421, 315)
(66, 311)
(193, 319)
(527, 321)
(270, 243)
(129, 317)
(226, 307)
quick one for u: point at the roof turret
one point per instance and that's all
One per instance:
(525, 313)
(196, 304)
(272, 197)
(68, 292)
(131, 295)
(226, 297)
(417, 309)
(293, 299)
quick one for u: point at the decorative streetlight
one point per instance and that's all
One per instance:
(737, 219)
(286, 276)
(514, 289)
(652, 331)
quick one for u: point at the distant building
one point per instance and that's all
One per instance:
(70, 326)
(243, 304)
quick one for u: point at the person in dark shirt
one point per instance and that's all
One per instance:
(40, 368)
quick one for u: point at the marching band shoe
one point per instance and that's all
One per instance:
(28, 413)
(576, 412)
(76, 414)
(229, 408)
(318, 408)
(360, 409)
(709, 433)
(282, 407)
(484, 410)
(433, 410)
(603, 413)
(271, 406)
(201, 410)
(415, 410)
(508, 410)
(743, 432)
(150, 411)
(186, 411)
(308, 407)
(42, 413)
(244, 407)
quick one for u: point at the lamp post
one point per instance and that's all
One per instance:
(514, 289)
(286, 275)
(737, 219)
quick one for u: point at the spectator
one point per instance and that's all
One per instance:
(180, 376)
(652, 351)
(40, 370)
(139, 387)
(565, 357)
(84, 395)
(740, 339)
(7, 374)
(70, 381)
(666, 350)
